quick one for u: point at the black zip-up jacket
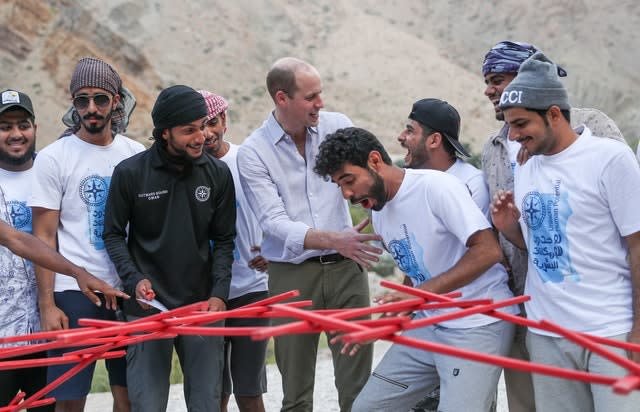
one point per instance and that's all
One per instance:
(172, 216)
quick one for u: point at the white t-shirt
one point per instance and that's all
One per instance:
(248, 233)
(426, 226)
(73, 176)
(473, 178)
(17, 189)
(514, 148)
(575, 207)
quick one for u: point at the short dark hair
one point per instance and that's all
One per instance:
(448, 147)
(281, 78)
(30, 117)
(543, 113)
(156, 134)
(349, 145)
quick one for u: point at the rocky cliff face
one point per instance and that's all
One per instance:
(376, 58)
(39, 53)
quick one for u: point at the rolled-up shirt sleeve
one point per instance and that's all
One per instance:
(285, 193)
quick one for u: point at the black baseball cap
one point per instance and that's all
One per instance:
(441, 117)
(12, 98)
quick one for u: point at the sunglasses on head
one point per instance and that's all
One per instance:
(82, 101)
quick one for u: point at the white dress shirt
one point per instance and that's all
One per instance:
(284, 192)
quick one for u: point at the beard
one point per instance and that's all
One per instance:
(419, 158)
(176, 151)
(14, 160)
(184, 154)
(377, 193)
(98, 128)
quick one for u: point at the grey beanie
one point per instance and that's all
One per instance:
(537, 86)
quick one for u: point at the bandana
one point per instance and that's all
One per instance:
(92, 72)
(507, 56)
(177, 105)
(215, 104)
(119, 116)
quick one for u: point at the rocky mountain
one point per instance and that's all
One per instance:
(376, 57)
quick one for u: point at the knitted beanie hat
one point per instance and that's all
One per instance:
(537, 86)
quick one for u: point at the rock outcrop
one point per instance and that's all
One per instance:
(376, 58)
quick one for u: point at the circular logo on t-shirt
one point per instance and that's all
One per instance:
(401, 254)
(19, 213)
(533, 210)
(94, 190)
(202, 193)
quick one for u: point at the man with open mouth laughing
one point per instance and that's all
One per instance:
(431, 137)
(443, 242)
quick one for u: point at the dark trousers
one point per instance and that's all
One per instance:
(27, 380)
(149, 368)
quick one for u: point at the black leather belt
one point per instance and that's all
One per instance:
(327, 259)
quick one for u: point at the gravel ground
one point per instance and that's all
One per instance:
(325, 393)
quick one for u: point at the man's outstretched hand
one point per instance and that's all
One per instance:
(89, 284)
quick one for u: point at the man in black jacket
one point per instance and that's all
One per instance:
(179, 204)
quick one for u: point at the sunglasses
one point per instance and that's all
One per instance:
(82, 101)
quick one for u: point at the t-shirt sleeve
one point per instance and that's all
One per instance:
(620, 186)
(451, 202)
(480, 193)
(47, 184)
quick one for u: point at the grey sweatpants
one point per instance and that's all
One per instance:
(556, 394)
(405, 374)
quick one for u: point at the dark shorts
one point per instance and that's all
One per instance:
(244, 361)
(76, 305)
(28, 380)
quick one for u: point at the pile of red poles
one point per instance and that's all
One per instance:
(98, 339)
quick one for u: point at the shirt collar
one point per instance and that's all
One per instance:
(502, 136)
(276, 133)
